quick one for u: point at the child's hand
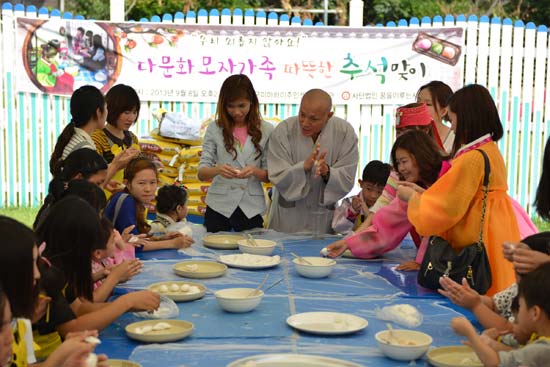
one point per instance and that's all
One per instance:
(113, 186)
(460, 294)
(125, 235)
(356, 204)
(336, 249)
(410, 265)
(491, 333)
(126, 270)
(143, 300)
(102, 360)
(170, 235)
(463, 327)
(73, 351)
(527, 260)
(182, 241)
(81, 335)
(121, 160)
(101, 274)
(120, 243)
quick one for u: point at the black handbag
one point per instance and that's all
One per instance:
(472, 263)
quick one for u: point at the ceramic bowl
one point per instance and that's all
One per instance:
(261, 247)
(405, 345)
(238, 299)
(320, 267)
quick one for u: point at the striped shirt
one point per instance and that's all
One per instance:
(80, 139)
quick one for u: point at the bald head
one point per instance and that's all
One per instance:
(319, 98)
(315, 111)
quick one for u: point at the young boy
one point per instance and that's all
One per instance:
(533, 316)
(350, 214)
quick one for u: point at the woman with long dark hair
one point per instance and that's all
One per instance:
(234, 157)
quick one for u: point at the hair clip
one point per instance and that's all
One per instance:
(41, 249)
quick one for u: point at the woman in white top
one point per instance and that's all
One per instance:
(88, 112)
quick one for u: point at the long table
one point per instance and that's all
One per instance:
(355, 286)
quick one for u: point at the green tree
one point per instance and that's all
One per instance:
(375, 11)
(382, 11)
(536, 11)
(148, 8)
(90, 9)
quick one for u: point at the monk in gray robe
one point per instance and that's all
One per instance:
(311, 161)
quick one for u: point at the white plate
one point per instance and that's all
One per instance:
(327, 323)
(250, 261)
(222, 241)
(291, 360)
(454, 356)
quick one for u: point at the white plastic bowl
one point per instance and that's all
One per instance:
(238, 299)
(403, 352)
(321, 267)
(264, 247)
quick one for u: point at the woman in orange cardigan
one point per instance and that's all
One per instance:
(451, 207)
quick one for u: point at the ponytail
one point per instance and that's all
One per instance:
(60, 145)
(85, 102)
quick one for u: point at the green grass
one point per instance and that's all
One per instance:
(541, 224)
(24, 215)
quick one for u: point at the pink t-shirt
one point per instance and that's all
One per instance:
(241, 133)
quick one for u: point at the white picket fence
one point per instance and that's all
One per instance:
(509, 58)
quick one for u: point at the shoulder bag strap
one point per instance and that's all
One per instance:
(485, 192)
(118, 205)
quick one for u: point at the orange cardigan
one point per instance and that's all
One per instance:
(451, 208)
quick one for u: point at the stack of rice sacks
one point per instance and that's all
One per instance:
(179, 161)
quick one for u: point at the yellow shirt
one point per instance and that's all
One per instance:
(22, 345)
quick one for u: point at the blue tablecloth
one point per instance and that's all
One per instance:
(355, 286)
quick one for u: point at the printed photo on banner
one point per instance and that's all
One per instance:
(59, 56)
(173, 62)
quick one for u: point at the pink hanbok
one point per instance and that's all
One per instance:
(390, 225)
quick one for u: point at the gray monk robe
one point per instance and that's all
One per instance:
(298, 197)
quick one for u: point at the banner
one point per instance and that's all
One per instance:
(171, 62)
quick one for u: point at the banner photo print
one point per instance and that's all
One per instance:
(176, 62)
